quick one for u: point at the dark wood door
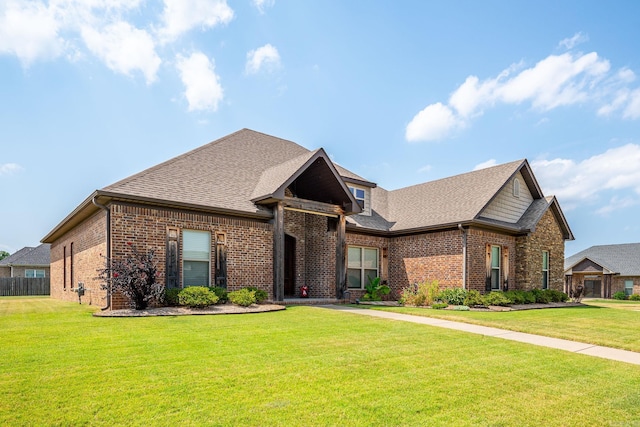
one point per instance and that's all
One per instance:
(592, 288)
(289, 266)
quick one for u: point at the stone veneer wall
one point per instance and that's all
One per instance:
(547, 236)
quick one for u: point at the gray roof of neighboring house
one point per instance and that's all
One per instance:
(29, 256)
(623, 259)
(232, 174)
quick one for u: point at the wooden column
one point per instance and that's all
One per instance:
(278, 252)
(341, 258)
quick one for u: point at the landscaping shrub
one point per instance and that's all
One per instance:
(556, 296)
(453, 296)
(634, 297)
(375, 290)
(516, 297)
(197, 297)
(473, 298)
(243, 297)
(529, 297)
(495, 298)
(221, 293)
(541, 296)
(420, 294)
(619, 295)
(439, 306)
(460, 308)
(260, 294)
(171, 296)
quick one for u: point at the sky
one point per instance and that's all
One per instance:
(93, 91)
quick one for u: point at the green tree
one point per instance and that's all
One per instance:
(4, 254)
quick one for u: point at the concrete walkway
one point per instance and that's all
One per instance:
(573, 346)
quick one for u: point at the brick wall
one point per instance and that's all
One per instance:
(382, 244)
(89, 248)
(477, 241)
(547, 237)
(617, 284)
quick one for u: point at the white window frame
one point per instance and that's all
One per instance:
(36, 273)
(516, 187)
(498, 268)
(628, 288)
(362, 267)
(363, 199)
(545, 269)
(193, 256)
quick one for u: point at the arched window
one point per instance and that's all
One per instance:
(516, 187)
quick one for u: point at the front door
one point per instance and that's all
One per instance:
(592, 288)
(289, 266)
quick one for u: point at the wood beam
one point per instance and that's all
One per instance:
(313, 207)
(278, 252)
(341, 259)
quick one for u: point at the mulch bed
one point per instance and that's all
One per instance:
(185, 311)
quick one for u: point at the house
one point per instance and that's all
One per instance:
(27, 262)
(604, 270)
(251, 209)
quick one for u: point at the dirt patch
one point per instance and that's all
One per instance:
(185, 311)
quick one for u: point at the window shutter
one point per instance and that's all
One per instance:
(488, 265)
(505, 267)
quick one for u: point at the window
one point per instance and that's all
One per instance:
(34, 273)
(495, 268)
(64, 267)
(71, 265)
(196, 250)
(628, 287)
(362, 265)
(516, 187)
(359, 194)
(545, 269)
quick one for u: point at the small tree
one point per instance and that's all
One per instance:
(3, 255)
(134, 276)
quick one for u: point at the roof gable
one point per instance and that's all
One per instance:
(623, 259)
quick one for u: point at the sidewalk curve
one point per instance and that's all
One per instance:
(572, 346)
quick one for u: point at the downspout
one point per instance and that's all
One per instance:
(464, 256)
(108, 212)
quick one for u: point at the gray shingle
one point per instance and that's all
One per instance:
(623, 259)
(29, 256)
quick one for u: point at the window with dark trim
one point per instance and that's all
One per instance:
(71, 265)
(495, 267)
(196, 258)
(545, 269)
(64, 267)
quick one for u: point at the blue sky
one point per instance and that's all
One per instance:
(93, 91)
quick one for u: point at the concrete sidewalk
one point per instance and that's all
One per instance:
(573, 346)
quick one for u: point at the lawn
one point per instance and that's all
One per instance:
(597, 322)
(302, 366)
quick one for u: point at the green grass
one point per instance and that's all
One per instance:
(591, 323)
(302, 366)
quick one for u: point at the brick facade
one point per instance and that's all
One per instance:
(546, 237)
(477, 241)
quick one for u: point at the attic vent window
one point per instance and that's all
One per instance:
(358, 193)
(516, 187)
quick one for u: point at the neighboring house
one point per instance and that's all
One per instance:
(254, 210)
(604, 270)
(27, 262)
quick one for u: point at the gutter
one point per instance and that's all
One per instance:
(108, 212)
(464, 256)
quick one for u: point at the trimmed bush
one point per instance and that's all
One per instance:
(473, 298)
(440, 306)
(516, 297)
(197, 297)
(171, 296)
(243, 297)
(460, 308)
(634, 297)
(454, 296)
(541, 296)
(619, 295)
(260, 294)
(496, 298)
(221, 293)
(556, 296)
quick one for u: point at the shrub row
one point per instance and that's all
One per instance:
(428, 293)
(620, 295)
(201, 296)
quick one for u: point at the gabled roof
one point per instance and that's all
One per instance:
(622, 259)
(28, 257)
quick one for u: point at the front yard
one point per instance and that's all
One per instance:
(302, 366)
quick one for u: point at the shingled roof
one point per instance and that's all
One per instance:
(29, 256)
(236, 173)
(623, 259)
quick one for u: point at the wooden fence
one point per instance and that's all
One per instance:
(23, 286)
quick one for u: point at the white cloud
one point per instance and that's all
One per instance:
(424, 169)
(124, 49)
(586, 181)
(489, 163)
(29, 31)
(265, 57)
(202, 87)
(434, 122)
(555, 81)
(617, 203)
(180, 16)
(571, 42)
(9, 168)
(261, 5)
